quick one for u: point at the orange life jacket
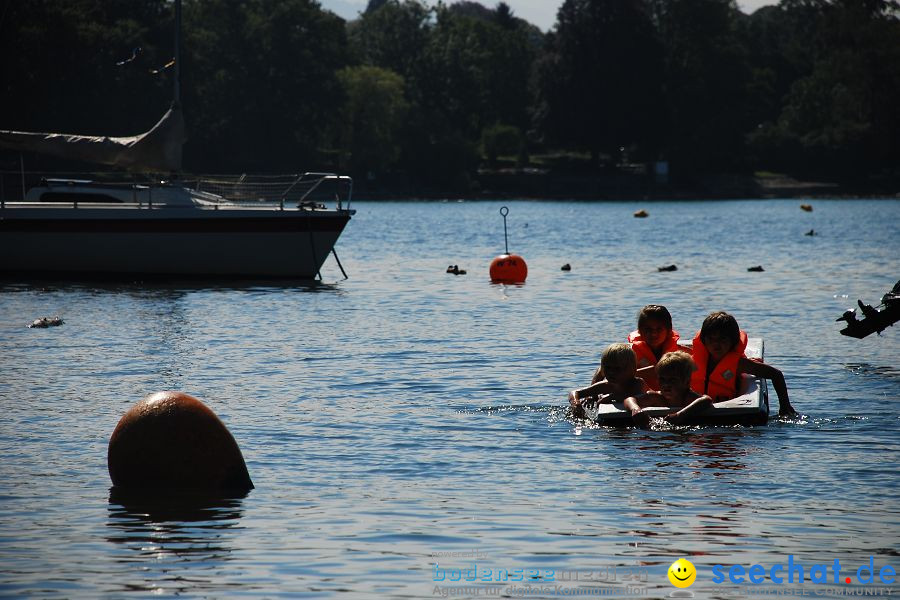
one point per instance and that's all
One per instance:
(722, 382)
(644, 353)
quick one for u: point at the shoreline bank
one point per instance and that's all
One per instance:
(541, 186)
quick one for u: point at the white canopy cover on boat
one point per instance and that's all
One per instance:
(158, 150)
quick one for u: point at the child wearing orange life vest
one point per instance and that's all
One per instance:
(718, 352)
(619, 364)
(674, 372)
(653, 338)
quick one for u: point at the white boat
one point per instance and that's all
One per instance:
(253, 228)
(228, 227)
(750, 408)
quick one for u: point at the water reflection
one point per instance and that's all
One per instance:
(704, 447)
(181, 540)
(719, 450)
(666, 470)
(159, 288)
(864, 368)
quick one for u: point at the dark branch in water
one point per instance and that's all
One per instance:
(874, 319)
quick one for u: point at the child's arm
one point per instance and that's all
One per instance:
(636, 404)
(636, 388)
(694, 407)
(595, 389)
(575, 405)
(632, 405)
(761, 369)
(576, 397)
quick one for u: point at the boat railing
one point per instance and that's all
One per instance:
(15, 185)
(304, 190)
(307, 191)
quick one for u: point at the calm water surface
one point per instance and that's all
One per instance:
(405, 414)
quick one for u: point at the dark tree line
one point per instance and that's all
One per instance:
(428, 94)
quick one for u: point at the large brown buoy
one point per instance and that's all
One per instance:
(173, 440)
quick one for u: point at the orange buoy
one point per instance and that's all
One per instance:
(170, 440)
(508, 268)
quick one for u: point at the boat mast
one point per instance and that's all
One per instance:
(176, 102)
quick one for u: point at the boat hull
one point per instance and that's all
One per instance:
(168, 241)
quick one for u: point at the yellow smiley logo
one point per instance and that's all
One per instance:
(682, 573)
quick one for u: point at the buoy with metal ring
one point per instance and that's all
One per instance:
(508, 268)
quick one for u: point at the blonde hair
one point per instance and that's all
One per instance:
(678, 363)
(619, 354)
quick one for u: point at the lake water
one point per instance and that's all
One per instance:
(405, 424)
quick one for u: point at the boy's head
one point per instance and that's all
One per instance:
(619, 363)
(654, 324)
(674, 371)
(720, 333)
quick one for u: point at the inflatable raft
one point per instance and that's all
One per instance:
(750, 408)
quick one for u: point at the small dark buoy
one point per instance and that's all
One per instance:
(756, 269)
(170, 440)
(508, 268)
(811, 232)
(45, 322)
(668, 268)
(641, 214)
(566, 267)
(455, 270)
(806, 207)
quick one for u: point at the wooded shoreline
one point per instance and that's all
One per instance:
(429, 95)
(611, 187)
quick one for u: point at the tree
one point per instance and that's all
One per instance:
(781, 44)
(501, 139)
(503, 16)
(259, 82)
(707, 82)
(598, 81)
(374, 5)
(61, 70)
(464, 67)
(393, 37)
(372, 118)
(841, 117)
(476, 72)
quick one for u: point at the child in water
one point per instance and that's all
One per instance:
(653, 338)
(718, 352)
(619, 364)
(674, 372)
